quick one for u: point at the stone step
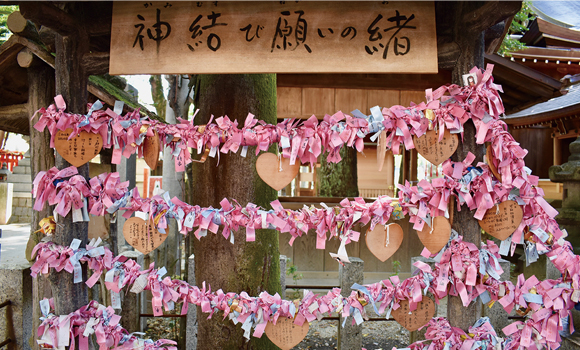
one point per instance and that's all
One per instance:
(22, 187)
(21, 170)
(20, 178)
(21, 195)
(24, 162)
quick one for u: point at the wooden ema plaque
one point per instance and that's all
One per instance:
(377, 240)
(489, 161)
(142, 235)
(502, 224)
(434, 240)
(285, 334)
(268, 166)
(80, 149)
(416, 319)
(434, 151)
(151, 150)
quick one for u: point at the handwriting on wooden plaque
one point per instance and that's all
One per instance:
(285, 333)
(151, 150)
(273, 37)
(142, 235)
(384, 241)
(80, 149)
(276, 172)
(434, 151)
(435, 239)
(416, 319)
(502, 220)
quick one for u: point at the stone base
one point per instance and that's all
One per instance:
(16, 287)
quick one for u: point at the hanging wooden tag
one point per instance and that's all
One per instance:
(268, 166)
(489, 161)
(285, 334)
(381, 149)
(151, 150)
(383, 241)
(80, 149)
(416, 319)
(502, 224)
(436, 239)
(142, 235)
(434, 151)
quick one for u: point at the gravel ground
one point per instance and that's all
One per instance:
(377, 335)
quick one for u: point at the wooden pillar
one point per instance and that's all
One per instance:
(557, 151)
(243, 266)
(71, 83)
(472, 50)
(40, 94)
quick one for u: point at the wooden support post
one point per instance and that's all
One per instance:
(472, 50)
(557, 151)
(40, 94)
(71, 83)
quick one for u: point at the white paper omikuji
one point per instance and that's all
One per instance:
(341, 254)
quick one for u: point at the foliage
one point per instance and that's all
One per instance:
(292, 270)
(519, 25)
(396, 268)
(4, 12)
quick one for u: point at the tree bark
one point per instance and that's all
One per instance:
(472, 50)
(340, 179)
(71, 83)
(40, 94)
(244, 266)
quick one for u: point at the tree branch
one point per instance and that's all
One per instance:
(488, 15)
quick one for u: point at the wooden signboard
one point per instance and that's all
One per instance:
(416, 319)
(273, 37)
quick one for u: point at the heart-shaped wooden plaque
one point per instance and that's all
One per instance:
(80, 149)
(416, 319)
(489, 160)
(377, 240)
(434, 151)
(268, 166)
(285, 333)
(151, 150)
(381, 149)
(142, 235)
(435, 240)
(501, 225)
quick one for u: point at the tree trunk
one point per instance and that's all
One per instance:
(340, 179)
(40, 94)
(244, 266)
(472, 50)
(71, 83)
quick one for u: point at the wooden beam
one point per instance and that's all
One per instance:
(14, 118)
(96, 63)
(25, 58)
(19, 25)
(46, 14)
(486, 16)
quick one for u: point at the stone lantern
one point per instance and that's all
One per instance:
(569, 174)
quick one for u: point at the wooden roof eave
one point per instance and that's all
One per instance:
(544, 117)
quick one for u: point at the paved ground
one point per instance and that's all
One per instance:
(13, 243)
